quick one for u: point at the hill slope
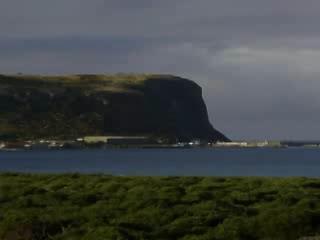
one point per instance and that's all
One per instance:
(77, 105)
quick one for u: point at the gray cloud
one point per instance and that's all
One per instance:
(257, 61)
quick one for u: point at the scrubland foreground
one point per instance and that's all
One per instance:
(74, 206)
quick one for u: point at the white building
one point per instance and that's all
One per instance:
(231, 144)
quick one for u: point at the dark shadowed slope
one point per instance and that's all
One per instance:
(77, 105)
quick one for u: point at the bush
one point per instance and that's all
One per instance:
(75, 206)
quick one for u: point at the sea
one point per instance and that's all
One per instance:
(275, 162)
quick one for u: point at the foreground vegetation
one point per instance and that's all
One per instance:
(97, 207)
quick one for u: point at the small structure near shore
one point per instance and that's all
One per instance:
(118, 140)
(251, 144)
(231, 144)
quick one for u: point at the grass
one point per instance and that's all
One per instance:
(75, 206)
(116, 82)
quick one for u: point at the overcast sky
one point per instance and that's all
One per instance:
(258, 61)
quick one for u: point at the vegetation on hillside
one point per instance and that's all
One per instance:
(116, 82)
(72, 106)
(98, 207)
(66, 106)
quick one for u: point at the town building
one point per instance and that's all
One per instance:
(118, 140)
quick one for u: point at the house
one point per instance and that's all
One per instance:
(118, 140)
(2, 145)
(95, 139)
(231, 144)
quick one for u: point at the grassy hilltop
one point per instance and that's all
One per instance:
(109, 83)
(188, 208)
(123, 104)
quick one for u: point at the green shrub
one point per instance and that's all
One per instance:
(75, 206)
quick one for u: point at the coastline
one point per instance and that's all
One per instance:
(73, 144)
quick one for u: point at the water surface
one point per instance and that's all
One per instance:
(165, 162)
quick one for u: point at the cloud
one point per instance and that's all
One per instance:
(257, 60)
(302, 60)
(251, 91)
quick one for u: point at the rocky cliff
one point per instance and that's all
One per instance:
(73, 106)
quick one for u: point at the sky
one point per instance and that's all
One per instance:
(257, 61)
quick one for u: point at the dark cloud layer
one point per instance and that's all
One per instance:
(258, 61)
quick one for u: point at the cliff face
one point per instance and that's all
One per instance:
(74, 106)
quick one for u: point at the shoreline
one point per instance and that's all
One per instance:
(154, 147)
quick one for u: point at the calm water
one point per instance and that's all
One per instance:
(164, 162)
